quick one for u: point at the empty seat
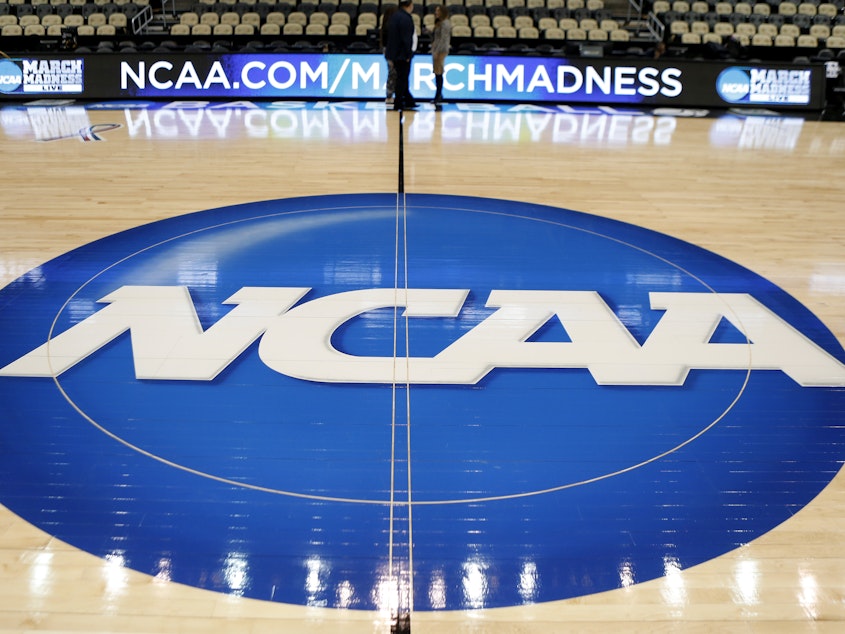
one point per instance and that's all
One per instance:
(298, 17)
(829, 9)
(270, 28)
(820, 31)
(319, 17)
(50, 20)
(97, 19)
(251, 17)
(699, 27)
(767, 29)
(523, 21)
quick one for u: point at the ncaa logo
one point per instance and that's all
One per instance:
(573, 396)
(733, 84)
(11, 76)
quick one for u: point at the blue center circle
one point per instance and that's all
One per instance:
(546, 469)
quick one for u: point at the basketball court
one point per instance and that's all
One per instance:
(321, 367)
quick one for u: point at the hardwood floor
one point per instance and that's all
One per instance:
(765, 192)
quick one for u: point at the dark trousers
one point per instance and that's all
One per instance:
(403, 91)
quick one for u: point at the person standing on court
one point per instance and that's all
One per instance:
(390, 85)
(440, 44)
(401, 34)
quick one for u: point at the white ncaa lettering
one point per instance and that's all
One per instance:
(167, 339)
(299, 344)
(168, 342)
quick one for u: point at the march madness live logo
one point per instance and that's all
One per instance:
(41, 76)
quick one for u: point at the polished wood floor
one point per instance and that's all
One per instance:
(765, 192)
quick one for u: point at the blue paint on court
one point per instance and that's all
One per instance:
(532, 485)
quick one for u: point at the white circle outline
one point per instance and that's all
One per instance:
(326, 498)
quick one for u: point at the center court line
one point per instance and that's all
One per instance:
(402, 617)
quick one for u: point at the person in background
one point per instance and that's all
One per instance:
(440, 44)
(390, 85)
(401, 36)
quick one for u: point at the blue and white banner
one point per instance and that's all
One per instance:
(466, 78)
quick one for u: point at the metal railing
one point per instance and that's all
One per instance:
(140, 20)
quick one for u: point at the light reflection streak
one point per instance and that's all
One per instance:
(41, 574)
(828, 278)
(626, 574)
(345, 595)
(529, 582)
(437, 591)
(386, 594)
(315, 584)
(236, 573)
(165, 570)
(674, 590)
(808, 597)
(746, 589)
(115, 577)
(474, 584)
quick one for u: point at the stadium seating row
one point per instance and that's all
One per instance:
(21, 5)
(782, 7)
(551, 4)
